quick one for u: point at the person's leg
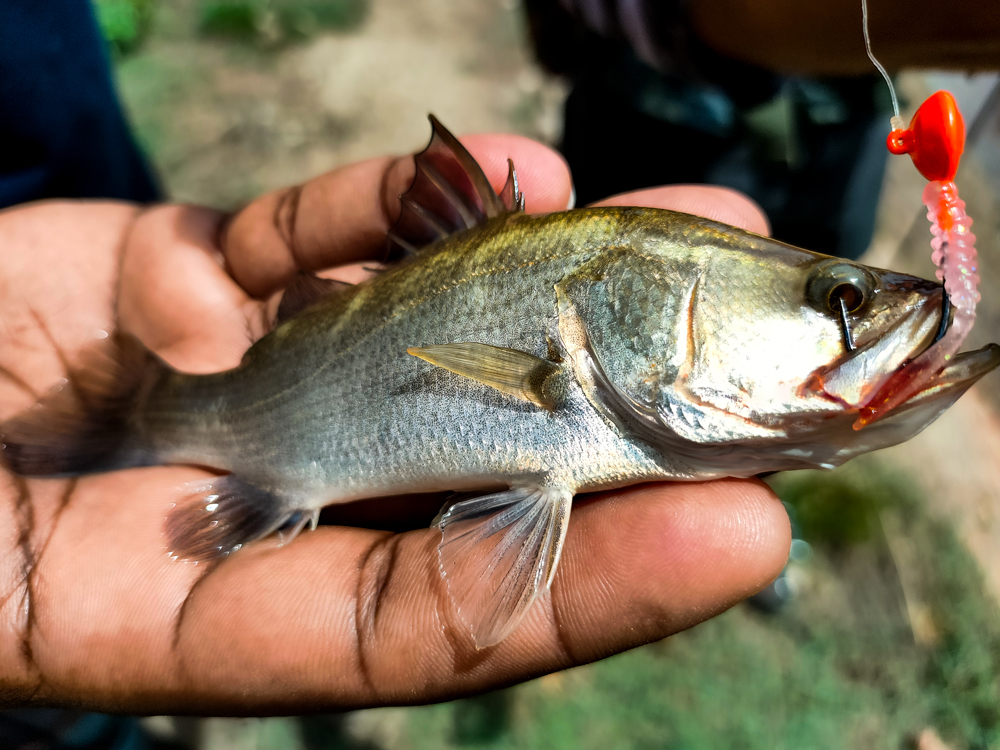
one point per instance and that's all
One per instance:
(825, 198)
(613, 148)
(62, 131)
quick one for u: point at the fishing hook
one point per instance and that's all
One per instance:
(845, 326)
(945, 314)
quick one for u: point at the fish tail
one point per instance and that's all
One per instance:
(87, 423)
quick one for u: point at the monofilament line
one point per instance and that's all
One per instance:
(876, 63)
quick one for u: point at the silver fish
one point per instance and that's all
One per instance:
(521, 359)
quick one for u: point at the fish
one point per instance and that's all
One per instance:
(514, 360)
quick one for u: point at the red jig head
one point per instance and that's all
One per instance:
(935, 139)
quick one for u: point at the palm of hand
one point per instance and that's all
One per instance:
(93, 612)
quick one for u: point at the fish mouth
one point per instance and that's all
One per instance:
(964, 370)
(855, 377)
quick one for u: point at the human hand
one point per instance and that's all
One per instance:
(94, 614)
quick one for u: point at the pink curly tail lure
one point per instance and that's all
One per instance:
(935, 141)
(955, 255)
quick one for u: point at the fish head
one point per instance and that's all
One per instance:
(748, 355)
(800, 333)
(784, 346)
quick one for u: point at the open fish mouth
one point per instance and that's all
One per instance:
(856, 377)
(964, 370)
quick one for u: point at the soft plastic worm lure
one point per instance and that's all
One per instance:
(934, 140)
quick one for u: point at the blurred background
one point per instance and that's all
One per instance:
(884, 631)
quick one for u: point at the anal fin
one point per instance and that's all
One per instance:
(510, 371)
(223, 514)
(498, 554)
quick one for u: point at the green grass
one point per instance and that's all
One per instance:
(839, 668)
(278, 20)
(124, 23)
(233, 18)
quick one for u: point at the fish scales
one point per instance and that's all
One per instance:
(349, 413)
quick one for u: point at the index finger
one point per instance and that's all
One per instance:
(343, 216)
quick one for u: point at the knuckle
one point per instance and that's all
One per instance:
(374, 575)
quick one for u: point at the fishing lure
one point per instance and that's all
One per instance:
(934, 140)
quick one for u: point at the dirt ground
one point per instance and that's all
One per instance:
(226, 121)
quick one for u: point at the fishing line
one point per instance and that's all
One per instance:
(897, 124)
(934, 141)
(897, 121)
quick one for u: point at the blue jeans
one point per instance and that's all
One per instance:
(62, 132)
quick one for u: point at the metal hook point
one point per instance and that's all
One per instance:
(845, 326)
(945, 315)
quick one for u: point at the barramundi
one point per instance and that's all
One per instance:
(513, 360)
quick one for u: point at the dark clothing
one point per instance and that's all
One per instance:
(53, 729)
(818, 182)
(62, 131)
(651, 105)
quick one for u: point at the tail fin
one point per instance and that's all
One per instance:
(84, 425)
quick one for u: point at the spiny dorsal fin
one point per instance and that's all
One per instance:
(305, 290)
(510, 371)
(511, 195)
(449, 193)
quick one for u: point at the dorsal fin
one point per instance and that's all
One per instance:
(449, 193)
(511, 195)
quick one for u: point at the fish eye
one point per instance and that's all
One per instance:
(833, 282)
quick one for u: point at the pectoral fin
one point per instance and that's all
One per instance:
(498, 554)
(510, 371)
